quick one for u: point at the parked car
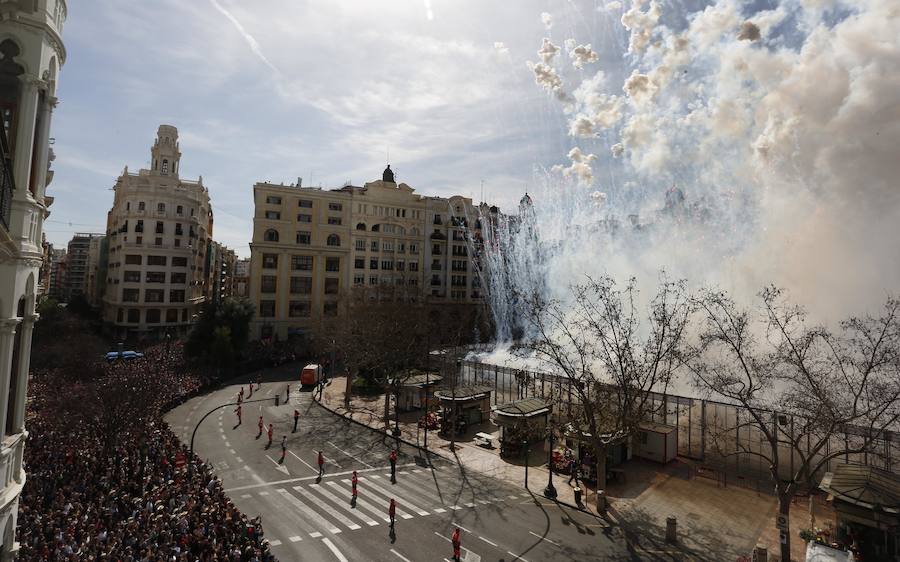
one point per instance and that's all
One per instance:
(126, 355)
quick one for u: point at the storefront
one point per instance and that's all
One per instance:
(466, 405)
(416, 390)
(521, 421)
(578, 444)
(866, 503)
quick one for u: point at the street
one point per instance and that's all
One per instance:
(307, 518)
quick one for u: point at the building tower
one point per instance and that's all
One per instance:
(31, 54)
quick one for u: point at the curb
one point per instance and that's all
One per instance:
(442, 455)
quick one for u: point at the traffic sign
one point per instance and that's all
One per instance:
(781, 522)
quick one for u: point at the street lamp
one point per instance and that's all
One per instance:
(527, 451)
(550, 491)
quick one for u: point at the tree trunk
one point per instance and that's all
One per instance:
(347, 390)
(387, 408)
(784, 509)
(600, 452)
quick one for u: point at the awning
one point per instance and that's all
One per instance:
(525, 408)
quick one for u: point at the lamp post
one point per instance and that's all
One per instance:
(550, 491)
(527, 450)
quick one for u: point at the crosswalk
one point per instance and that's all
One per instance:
(326, 508)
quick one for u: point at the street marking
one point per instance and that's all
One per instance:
(303, 461)
(356, 512)
(439, 510)
(461, 527)
(516, 556)
(264, 493)
(227, 443)
(487, 541)
(401, 512)
(366, 505)
(300, 479)
(513, 496)
(232, 451)
(315, 534)
(483, 502)
(544, 538)
(400, 556)
(469, 504)
(246, 495)
(470, 556)
(238, 459)
(310, 514)
(295, 538)
(379, 476)
(275, 542)
(278, 465)
(454, 507)
(327, 507)
(402, 499)
(349, 455)
(335, 550)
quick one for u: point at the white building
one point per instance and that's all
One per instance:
(31, 53)
(159, 230)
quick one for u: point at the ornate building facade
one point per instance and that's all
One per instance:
(31, 54)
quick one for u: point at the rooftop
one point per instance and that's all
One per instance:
(864, 486)
(464, 393)
(525, 408)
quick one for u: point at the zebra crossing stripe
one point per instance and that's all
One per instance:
(365, 518)
(403, 500)
(327, 507)
(370, 487)
(418, 489)
(310, 514)
(379, 513)
(295, 538)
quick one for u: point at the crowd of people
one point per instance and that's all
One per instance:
(140, 497)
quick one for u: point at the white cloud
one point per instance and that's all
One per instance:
(251, 41)
(501, 48)
(612, 6)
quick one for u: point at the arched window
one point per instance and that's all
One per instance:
(376, 228)
(161, 207)
(165, 167)
(334, 240)
(271, 235)
(361, 226)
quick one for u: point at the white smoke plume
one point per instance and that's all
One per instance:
(612, 6)
(641, 23)
(547, 20)
(546, 77)
(580, 168)
(581, 54)
(548, 51)
(501, 48)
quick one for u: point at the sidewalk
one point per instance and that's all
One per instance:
(716, 521)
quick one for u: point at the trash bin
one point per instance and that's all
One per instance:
(577, 495)
(277, 399)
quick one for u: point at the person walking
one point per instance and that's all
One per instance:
(238, 412)
(250, 394)
(456, 544)
(260, 425)
(283, 448)
(269, 433)
(287, 394)
(259, 381)
(296, 417)
(321, 461)
(241, 394)
(393, 458)
(573, 471)
(392, 511)
(353, 482)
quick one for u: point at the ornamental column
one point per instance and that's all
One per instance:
(7, 343)
(22, 374)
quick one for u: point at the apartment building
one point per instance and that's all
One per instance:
(312, 247)
(77, 267)
(96, 270)
(32, 53)
(221, 261)
(160, 229)
(57, 284)
(241, 281)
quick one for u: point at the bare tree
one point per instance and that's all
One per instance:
(841, 390)
(614, 361)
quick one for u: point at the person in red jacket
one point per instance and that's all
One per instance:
(393, 459)
(321, 461)
(392, 511)
(269, 433)
(260, 425)
(455, 540)
(238, 412)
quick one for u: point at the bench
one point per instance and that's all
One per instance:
(485, 440)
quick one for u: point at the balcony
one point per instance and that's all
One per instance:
(437, 235)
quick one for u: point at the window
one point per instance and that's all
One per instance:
(176, 295)
(374, 246)
(172, 315)
(304, 218)
(360, 245)
(330, 309)
(331, 285)
(304, 237)
(178, 277)
(131, 295)
(127, 208)
(273, 215)
(387, 246)
(160, 207)
(268, 283)
(359, 263)
(436, 265)
(299, 309)
(414, 266)
(436, 249)
(387, 265)
(437, 219)
(334, 220)
(156, 277)
(141, 206)
(401, 247)
(304, 203)
(373, 263)
(132, 277)
(157, 241)
(301, 285)
(359, 279)
(266, 309)
(165, 167)
(376, 228)
(401, 265)
(154, 295)
(131, 259)
(412, 282)
(273, 200)
(139, 227)
(157, 260)
(270, 261)
(179, 210)
(271, 235)
(335, 207)
(332, 264)
(413, 248)
(302, 263)
(373, 280)
(179, 262)
(178, 229)
(361, 226)
(333, 240)
(134, 315)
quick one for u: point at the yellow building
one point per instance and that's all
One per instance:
(311, 247)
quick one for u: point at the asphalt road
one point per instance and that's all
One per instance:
(305, 518)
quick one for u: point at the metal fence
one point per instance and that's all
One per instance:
(714, 433)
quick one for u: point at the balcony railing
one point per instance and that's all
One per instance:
(6, 180)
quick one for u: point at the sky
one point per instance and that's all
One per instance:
(279, 89)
